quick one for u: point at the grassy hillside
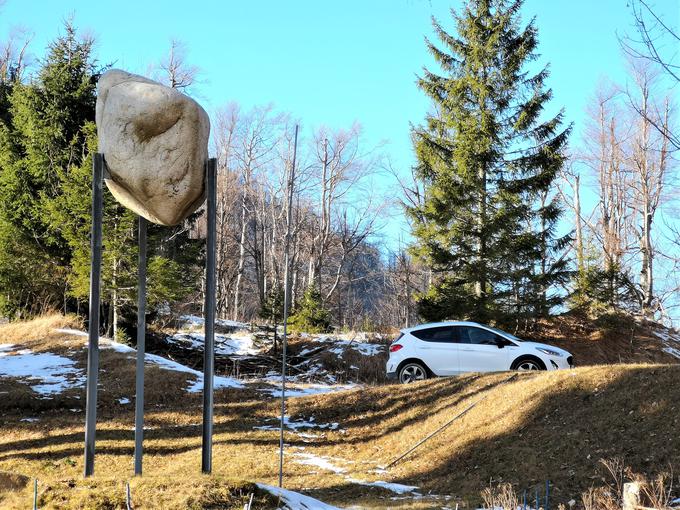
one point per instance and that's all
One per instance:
(613, 338)
(555, 426)
(538, 426)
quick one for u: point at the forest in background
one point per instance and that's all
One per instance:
(512, 218)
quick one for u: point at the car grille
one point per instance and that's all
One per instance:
(570, 360)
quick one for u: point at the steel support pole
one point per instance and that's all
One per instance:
(209, 345)
(286, 301)
(141, 347)
(93, 327)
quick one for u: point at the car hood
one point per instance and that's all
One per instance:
(536, 345)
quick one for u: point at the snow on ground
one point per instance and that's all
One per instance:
(198, 322)
(305, 390)
(240, 344)
(397, 488)
(671, 342)
(295, 500)
(309, 459)
(340, 345)
(224, 345)
(153, 359)
(48, 373)
(300, 424)
(325, 463)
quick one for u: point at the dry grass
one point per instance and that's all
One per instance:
(610, 339)
(541, 426)
(37, 329)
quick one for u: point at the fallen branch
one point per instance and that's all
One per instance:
(447, 424)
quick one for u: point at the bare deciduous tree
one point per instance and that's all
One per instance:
(175, 71)
(647, 159)
(655, 42)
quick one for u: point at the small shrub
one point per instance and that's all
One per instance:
(311, 315)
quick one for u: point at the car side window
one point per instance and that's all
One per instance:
(440, 334)
(477, 336)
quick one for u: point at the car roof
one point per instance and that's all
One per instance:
(444, 323)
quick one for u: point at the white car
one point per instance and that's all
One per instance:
(451, 348)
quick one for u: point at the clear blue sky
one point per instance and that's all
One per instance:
(330, 63)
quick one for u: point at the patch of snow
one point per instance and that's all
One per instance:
(325, 463)
(397, 488)
(300, 424)
(196, 321)
(219, 381)
(107, 343)
(69, 331)
(195, 387)
(52, 373)
(124, 400)
(309, 389)
(30, 420)
(295, 500)
(224, 345)
(671, 343)
(672, 351)
(359, 345)
(309, 459)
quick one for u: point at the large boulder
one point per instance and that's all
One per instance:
(155, 144)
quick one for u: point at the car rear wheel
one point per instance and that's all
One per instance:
(412, 372)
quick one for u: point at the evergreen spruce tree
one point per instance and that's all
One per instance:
(272, 308)
(488, 158)
(42, 139)
(311, 315)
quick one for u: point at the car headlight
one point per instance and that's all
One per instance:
(550, 352)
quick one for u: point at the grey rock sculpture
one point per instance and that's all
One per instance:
(155, 143)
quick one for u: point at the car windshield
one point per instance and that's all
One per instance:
(505, 333)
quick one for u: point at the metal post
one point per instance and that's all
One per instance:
(93, 327)
(547, 495)
(209, 345)
(286, 302)
(141, 347)
(128, 498)
(35, 494)
(536, 507)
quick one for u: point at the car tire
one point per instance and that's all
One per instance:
(412, 372)
(527, 363)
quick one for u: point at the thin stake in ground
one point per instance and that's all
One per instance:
(440, 429)
(286, 302)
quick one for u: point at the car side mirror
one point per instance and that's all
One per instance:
(500, 343)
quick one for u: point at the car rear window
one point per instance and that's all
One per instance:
(439, 334)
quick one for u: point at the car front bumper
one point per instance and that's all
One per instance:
(560, 363)
(391, 376)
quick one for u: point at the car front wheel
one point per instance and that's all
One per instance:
(412, 372)
(527, 364)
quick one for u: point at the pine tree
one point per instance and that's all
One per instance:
(488, 159)
(272, 307)
(44, 137)
(47, 141)
(311, 316)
